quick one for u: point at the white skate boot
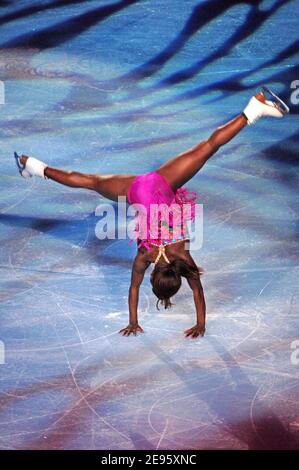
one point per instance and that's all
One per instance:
(257, 109)
(32, 167)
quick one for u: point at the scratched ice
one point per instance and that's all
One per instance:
(120, 86)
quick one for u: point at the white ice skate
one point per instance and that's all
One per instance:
(32, 167)
(257, 109)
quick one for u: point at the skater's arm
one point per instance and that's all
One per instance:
(200, 306)
(199, 300)
(138, 269)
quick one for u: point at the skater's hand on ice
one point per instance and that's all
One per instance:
(195, 331)
(131, 329)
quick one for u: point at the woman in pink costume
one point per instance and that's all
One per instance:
(169, 253)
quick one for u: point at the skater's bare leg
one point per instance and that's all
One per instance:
(176, 171)
(110, 186)
(183, 167)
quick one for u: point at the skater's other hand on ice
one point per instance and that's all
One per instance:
(131, 329)
(195, 331)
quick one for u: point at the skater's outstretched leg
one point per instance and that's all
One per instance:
(110, 186)
(176, 171)
(183, 167)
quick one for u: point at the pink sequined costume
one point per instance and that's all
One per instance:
(152, 189)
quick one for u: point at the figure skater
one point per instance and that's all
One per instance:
(171, 256)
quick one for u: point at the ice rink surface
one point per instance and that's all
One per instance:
(121, 86)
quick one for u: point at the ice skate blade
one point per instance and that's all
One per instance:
(22, 169)
(283, 108)
(18, 163)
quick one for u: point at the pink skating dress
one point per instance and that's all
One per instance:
(158, 228)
